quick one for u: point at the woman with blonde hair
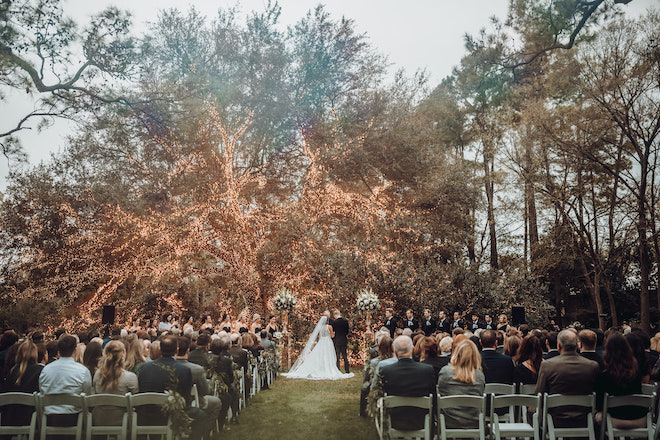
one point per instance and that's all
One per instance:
(112, 378)
(462, 376)
(134, 355)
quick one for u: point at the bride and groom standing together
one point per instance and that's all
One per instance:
(320, 360)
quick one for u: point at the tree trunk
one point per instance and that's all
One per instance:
(490, 189)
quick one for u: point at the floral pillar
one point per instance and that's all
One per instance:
(285, 302)
(287, 338)
(367, 302)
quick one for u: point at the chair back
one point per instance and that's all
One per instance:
(106, 404)
(26, 403)
(500, 388)
(561, 400)
(389, 402)
(148, 401)
(526, 388)
(76, 401)
(638, 400)
(462, 402)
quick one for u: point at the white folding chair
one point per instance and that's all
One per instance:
(387, 403)
(148, 400)
(195, 396)
(526, 388)
(638, 400)
(461, 402)
(23, 400)
(499, 389)
(61, 399)
(558, 400)
(515, 429)
(106, 402)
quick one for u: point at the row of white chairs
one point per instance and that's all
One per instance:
(84, 426)
(528, 416)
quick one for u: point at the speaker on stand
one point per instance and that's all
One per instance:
(108, 315)
(518, 315)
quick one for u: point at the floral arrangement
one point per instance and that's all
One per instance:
(278, 335)
(367, 300)
(284, 300)
(175, 410)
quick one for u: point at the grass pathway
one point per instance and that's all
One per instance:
(305, 410)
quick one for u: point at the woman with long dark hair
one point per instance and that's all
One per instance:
(93, 354)
(528, 360)
(621, 377)
(23, 377)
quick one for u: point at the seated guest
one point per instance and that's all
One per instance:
(551, 343)
(64, 376)
(502, 323)
(511, 345)
(445, 346)
(92, 356)
(497, 368)
(620, 377)
(463, 375)
(528, 361)
(112, 378)
(24, 378)
(568, 373)
(587, 347)
(209, 403)
(409, 379)
(637, 340)
(429, 355)
(134, 355)
(200, 355)
(221, 365)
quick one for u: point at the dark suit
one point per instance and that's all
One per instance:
(444, 325)
(428, 326)
(456, 324)
(409, 379)
(550, 354)
(390, 323)
(498, 368)
(568, 373)
(199, 356)
(475, 325)
(159, 376)
(411, 323)
(593, 356)
(490, 325)
(340, 327)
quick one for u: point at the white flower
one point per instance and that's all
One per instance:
(367, 300)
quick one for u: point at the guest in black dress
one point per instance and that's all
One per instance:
(24, 378)
(621, 377)
(429, 355)
(528, 361)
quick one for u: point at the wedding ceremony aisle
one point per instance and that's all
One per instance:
(305, 409)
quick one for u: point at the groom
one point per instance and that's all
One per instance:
(340, 327)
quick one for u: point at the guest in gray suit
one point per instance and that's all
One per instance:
(207, 402)
(463, 375)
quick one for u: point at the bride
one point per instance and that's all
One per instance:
(318, 361)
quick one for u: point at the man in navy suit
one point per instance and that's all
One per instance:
(409, 379)
(498, 368)
(428, 323)
(410, 321)
(390, 321)
(340, 327)
(458, 322)
(443, 323)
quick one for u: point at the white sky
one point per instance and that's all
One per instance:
(414, 34)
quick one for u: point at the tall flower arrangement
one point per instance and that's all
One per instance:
(285, 302)
(367, 300)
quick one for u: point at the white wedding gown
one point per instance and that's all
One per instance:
(318, 362)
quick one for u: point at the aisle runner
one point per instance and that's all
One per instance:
(305, 410)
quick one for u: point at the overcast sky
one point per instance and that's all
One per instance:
(413, 34)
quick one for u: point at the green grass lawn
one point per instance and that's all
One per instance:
(305, 409)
